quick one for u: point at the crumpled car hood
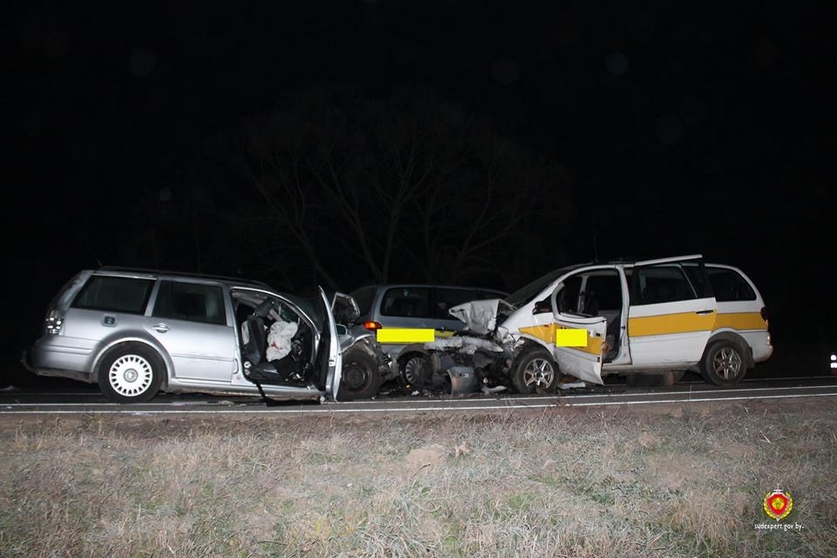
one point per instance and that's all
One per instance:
(480, 316)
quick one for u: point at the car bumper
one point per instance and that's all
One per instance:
(50, 356)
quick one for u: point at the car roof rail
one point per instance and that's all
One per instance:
(226, 278)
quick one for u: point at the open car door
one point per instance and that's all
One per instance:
(575, 340)
(317, 360)
(329, 355)
(579, 346)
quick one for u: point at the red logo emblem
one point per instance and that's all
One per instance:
(778, 504)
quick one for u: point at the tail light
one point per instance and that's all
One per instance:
(764, 315)
(372, 326)
(53, 322)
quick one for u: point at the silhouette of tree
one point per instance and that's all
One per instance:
(356, 188)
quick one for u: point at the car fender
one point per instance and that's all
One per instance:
(110, 344)
(730, 335)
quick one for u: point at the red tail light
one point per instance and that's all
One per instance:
(372, 326)
(54, 321)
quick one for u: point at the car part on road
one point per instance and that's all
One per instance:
(463, 381)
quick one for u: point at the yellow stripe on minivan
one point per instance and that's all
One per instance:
(741, 321)
(405, 335)
(684, 322)
(545, 333)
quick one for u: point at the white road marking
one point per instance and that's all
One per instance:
(408, 406)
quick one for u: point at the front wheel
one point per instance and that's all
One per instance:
(131, 373)
(723, 364)
(361, 378)
(535, 372)
(416, 372)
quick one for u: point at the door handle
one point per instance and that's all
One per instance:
(704, 311)
(160, 328)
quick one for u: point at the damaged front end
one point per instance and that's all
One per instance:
(470, 363)
(477, 358)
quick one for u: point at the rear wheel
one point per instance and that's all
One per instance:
(131, 373)
(535, 372)
(361, 378)
(723, 364)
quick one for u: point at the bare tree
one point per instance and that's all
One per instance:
(404, 188)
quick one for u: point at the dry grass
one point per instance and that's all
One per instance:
(651, 481)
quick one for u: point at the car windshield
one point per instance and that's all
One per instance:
(527, 293)
(311, 305)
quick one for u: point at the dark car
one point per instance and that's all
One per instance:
(406, 313)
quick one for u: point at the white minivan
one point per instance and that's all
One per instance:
(585, 322)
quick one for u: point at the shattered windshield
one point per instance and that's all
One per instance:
(527, 293)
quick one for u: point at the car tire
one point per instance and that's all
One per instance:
(416, 373)
(131, 373)
(535, 372)
(723, 364)
(361, 378)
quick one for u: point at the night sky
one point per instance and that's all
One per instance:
(685, 130)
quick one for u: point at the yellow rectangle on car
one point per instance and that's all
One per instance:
(405, 335)
(566, 337)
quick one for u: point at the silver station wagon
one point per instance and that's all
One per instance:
(137, 332)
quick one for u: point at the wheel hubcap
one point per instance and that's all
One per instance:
(539, 373)
(727, 363)
(130, 375)
(416, 372)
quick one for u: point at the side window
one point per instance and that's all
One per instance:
(114, 294)
(193, 302)
(656, 284)
(447, 298)
(696, 272)
(729, 286)
(567, 297)
(406, 302)
(602, 292)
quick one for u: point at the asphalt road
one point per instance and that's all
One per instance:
(803, 375)
(87, 399)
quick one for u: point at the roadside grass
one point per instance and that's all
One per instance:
(673, 480)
